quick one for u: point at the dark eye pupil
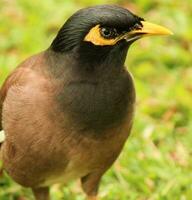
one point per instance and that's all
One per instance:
(108, 32)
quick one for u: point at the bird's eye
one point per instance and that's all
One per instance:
(108, 32)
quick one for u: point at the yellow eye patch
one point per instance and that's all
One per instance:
(94, 36)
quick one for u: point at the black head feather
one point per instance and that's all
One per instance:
(78, 25)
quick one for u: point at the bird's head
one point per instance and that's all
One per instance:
(103, 32)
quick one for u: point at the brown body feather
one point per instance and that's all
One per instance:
(45, 143)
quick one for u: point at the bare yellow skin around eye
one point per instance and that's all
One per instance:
(95, 37)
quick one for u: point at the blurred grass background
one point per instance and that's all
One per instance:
(156, 162)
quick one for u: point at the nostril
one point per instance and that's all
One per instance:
(137, 27)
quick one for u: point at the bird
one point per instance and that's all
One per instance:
(67, 111)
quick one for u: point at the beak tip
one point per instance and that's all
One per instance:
(167, 32)
(153, 29)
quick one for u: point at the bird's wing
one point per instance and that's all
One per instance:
(2, 135)
(1, 105)
(12, 80)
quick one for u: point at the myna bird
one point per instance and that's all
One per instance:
(67, 112)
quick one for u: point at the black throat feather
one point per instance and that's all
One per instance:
(94, 96)
(99, 92)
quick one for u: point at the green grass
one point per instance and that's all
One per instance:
(156, 162)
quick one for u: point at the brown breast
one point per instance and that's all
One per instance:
(47, 138)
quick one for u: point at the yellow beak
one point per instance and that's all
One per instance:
(148, 29)
(152, 29)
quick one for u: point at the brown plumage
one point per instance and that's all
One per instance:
(68, 111)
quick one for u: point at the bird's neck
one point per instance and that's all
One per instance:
(96, 98)
(93, 64)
